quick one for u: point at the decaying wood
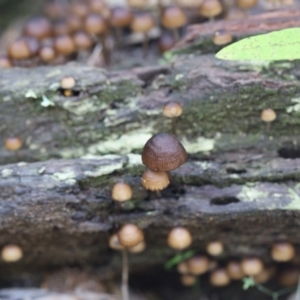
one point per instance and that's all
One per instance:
(240, 184)
(199, 36)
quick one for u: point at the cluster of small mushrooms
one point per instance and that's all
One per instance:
(91, 30)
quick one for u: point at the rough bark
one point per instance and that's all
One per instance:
(240, 184)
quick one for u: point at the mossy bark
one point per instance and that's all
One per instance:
(240, 184)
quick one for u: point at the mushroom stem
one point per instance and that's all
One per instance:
(268, 126)
(173, 124)
(118, 38)
(105, 52)
(145, 45)
(176, 34)
(125, 272)
(158, 193)
(212, 19)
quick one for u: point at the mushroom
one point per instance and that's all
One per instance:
(61, 27)
(219, 277)
(179, 238)
(198, 265)
(222, 37)
(11, 253)
(283, 252)
(121, 17)
(137, 3)
(252, 266)
(121, 192)
(47, 54)
(13, 143)
(114, 242)
(155, 181)
(143, 23)
(97, 25)
(130, 235)
(172, 110)
(38, 27)
(214, 248)
(166, 42)
(67, 84)
(163, 152)
(210, 9)
(5, 62)
(289, 276)
(64, 45)
(265, 275)
(83, 41)
(79, 8)
(140, 247)
(188, 280)
(173, 17)
(234, 270)
(268, 115)
(19, 50)
(99, 7)
(183, 268)
(74, 23)
(246, 4)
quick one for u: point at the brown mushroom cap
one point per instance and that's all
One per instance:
(61, 27)
(140, 247)
(79, 8)
(166, 42)
(179, 238)
(219, 277)
(246, 4)
(189, 3)
(283, 252)
(95, 24)
(198, 265)
(11, 253)
(142, 23)
(13, 143)
(172, 110)
(130, 235)
(74, 23)
(155, 181)
(183, 268)
(39, 27)
(19, 49)
(188, 280)
(211, 8)
(268, 115)
(173, 17)
(83, 40)
(47, 54)
(265, 275)
(54, 9)
(121, 192)
(234, 270)
(114, 242)
(222, 37)
(163, 152)
(64, 44)
(214, 248)
(5, 62)
(137, 3)
(252, 266)
(99, 7)
(121, 17)
(289, 276)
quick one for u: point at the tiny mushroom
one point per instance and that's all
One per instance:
(11, 253)
(114, 242)
(283, 252)
(188, 280)
(210, 9)
(268, 115)
(121, 192)
(155, 181)
(198, 264)
(252, 266)
(13, 143)
(214, 248)
(163, 152)
(222, 37)
(140, 247)
(179, 238)
(130, 235)
(219, 277)
(234, 270)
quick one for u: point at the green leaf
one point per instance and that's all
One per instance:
(178, 258)
(248, 282)
(277, 45)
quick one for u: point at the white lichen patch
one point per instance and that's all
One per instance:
(105, 169)
(7, 172)
(68, 174)
(134, 160)
(84, 106)
(46, 102)
(124, 144)
(295, 107)
(71, 152)
(200, 145)
(31, 94)
(251, 194)
(295, 200)
(204, 165)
